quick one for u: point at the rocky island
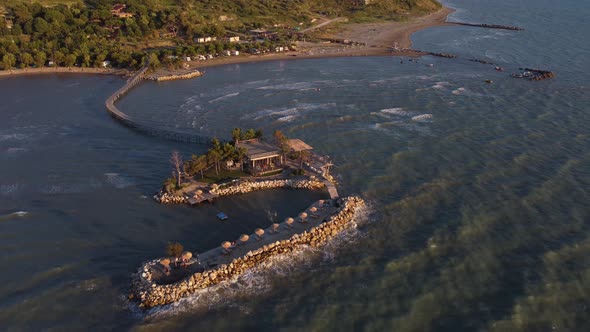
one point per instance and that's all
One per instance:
(256, 164)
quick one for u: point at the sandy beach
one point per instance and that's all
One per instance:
(378, 39)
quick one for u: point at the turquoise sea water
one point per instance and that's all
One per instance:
(479, 215)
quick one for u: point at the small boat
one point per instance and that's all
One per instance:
(222, 216)
(499, 68)
(517, 75)
(489, 81)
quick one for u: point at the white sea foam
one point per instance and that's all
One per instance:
(440, 85)
(14, 215)
(396, 111)
(422, 117)
(458, 91)
(14, 137)
(16, 150)
(227, 96)
(287, 118)
(118, 181)
(287, 111)
(288, 86)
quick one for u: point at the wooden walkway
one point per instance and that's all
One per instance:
(205, 197)
(331, 189)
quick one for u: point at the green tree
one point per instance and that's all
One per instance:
(8, 61)
(70, 60)
(40, 58)
(197, 164)
(40, 25)
(236, 134)
(214, 157)
(26, 59)
(239, 154)
(154, 61)
(249, 134)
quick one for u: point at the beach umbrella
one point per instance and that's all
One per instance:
(199, 192)
(225, 244)
(275, 227)
(303, 215)
(313, 209)
(259, 231)
(289, 221)
(187, 255)
(244, 238)
(165, 262)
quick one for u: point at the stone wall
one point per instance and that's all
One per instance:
(150, 294)
(242, 187)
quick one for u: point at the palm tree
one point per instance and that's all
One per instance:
(236, 134)
(213, 156)
(239, 154)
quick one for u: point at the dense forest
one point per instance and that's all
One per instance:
(85, 34)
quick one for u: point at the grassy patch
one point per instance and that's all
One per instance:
(224, 175)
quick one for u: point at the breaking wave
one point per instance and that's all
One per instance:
(422, 117)
(227, 96)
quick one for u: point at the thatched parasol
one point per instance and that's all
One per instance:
(259, 231)
(225, 244)
(165, 262)
(199, 192)
(275, 227)
(244, 238)
(187, 255)
(303, 215)
(313, 209)
(289, 221)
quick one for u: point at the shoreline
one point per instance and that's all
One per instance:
(386, 35)
(64, 70)
(379, 42)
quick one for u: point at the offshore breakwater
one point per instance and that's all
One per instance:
(149, 293)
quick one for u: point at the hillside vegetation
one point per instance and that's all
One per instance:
(86, 33)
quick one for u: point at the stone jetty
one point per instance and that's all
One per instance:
(243, 186)
(489, 26)
(150, 292)
(184, 76)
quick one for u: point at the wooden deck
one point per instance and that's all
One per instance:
(205, 197)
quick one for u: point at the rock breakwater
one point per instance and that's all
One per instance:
(184, 76)
(149, 293)
(242, 187)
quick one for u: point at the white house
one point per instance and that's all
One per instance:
(106, 64)
(202, 40)
(234, 39)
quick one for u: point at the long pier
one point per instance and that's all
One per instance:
(128, 121)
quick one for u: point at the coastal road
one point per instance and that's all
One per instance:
(323, 24)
